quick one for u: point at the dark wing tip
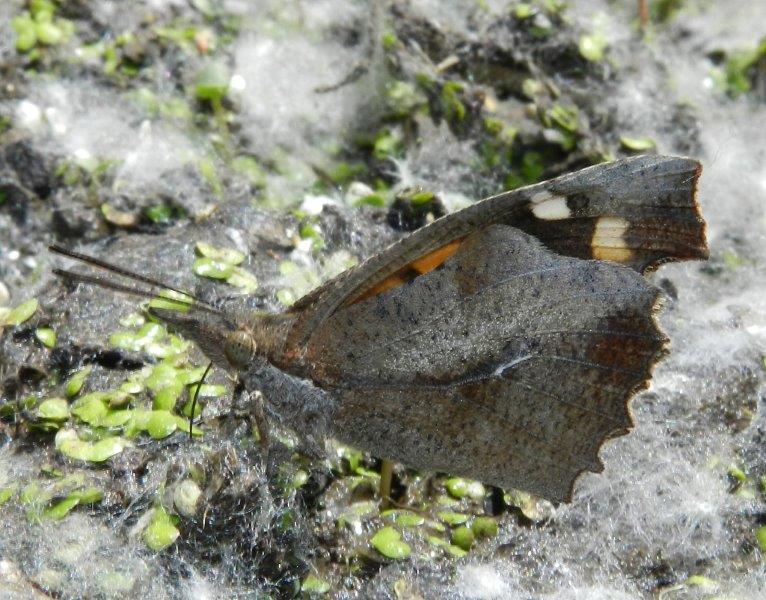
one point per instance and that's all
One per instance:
(686, 236)
(703, 249)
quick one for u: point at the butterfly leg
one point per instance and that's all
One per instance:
(297, 403)
(261, 423)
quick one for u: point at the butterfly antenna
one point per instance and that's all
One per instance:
(102, 264)
(196, 395)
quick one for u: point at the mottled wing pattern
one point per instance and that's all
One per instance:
(638, 211)
(509, 364)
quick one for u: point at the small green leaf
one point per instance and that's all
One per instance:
(183, 425)
(91, 408)
(760, 536)
(243, 279)
(69, 444)
(161, 424)
(388, 541)
(737, 473)
(162, 375)
(61, 509)
(565, 117)
(523, 11)
(186, 495)
(213, 269)
(592, 46)
(454, 550)
(161, 531)
(638, 144)
(461, 488)
(53, 409)
(132, 386)
(118, 217)
(286, 297)
(404, 518)
(170, 300)
(190, 375)
(371, 200)
(116, 418)
(124, 339)
(89, 495)
(700, 581)
(160, 213)
(224, 255)
(166, 397)
(21, 312)
(453, 518)
(313, 585)
(463, 537)
(6, 494)
(46, 336)
(105, 448)
(76, 381)
(49, 33)
(26, 34)
(484, 527)
(212, 82)
(531, 88)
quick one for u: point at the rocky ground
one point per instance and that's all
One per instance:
(249, 150)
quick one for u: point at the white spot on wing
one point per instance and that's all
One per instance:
(541, 196)
(608, 242)
(554, 208)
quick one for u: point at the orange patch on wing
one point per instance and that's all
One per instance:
(419, 266)
(430, 261)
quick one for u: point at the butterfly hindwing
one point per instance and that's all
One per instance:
(508, 351)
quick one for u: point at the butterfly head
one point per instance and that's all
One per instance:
(240, 348)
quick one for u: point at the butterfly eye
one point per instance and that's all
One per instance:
(240, 348)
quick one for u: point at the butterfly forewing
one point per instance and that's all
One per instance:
(639, 212)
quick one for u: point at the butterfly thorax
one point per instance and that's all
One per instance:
(270, 332)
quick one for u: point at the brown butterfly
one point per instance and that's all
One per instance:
(500, 342)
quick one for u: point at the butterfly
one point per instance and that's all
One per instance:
(501, 342)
